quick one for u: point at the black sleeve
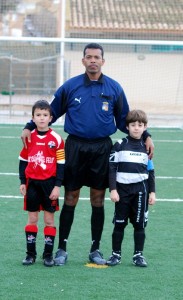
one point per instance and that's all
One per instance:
(113, 166)
(145, 135)
(59, 104)
(112, 181)
(151, 181)
(30, 125)
(22, 167)
(59, 174)
(121, 110)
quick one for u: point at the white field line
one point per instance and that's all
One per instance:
(151, 129)
(113, 139)
(163, 130)
(86, 198)
(160, 141)
(9, 127)
(157, 177)
(9, 137)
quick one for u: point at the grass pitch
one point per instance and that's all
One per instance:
(161, 280)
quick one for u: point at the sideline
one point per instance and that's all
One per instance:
(113, 139)
(157, 177)
(86, 198)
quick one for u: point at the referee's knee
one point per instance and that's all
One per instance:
(71, 198)
(97, 198)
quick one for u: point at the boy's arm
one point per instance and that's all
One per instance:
(30, 125)
(151, 181)
(152, 198)
(26, 133)
(112, 171)
(59, 175)
(113, 165)
(58, 181)
(114, 196)
(22, 167)
(149, 144)
(60, 166)
(60, 157)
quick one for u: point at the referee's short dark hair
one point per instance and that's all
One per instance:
(93, 46)
(42, 104)
(136, 115)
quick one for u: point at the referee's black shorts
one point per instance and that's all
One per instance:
(86, 163)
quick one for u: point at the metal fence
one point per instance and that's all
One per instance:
(150, 72)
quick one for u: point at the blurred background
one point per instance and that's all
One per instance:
(42, 41)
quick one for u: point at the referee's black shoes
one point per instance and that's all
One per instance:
(96, 257)
(139, 260)
(114, 259)
(60, 257)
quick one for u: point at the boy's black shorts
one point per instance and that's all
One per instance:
(37, 196)
(133, 204)
(86, 163)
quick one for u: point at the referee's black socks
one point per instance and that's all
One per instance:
(97, 223)
(66, 220)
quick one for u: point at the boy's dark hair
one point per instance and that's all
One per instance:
(93, 46)
(41, 104)
(136, 115)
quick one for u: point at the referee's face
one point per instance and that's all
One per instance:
(93, 62)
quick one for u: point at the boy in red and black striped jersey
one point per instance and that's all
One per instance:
(41, 172)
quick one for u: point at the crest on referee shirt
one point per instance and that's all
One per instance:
(105, 106)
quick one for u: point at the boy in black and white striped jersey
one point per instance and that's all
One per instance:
(132, 187)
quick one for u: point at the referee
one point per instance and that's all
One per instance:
(95, 106)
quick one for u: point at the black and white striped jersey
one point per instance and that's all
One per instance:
(128, 162)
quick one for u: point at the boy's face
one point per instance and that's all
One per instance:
(42, 118)
(136, 129)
